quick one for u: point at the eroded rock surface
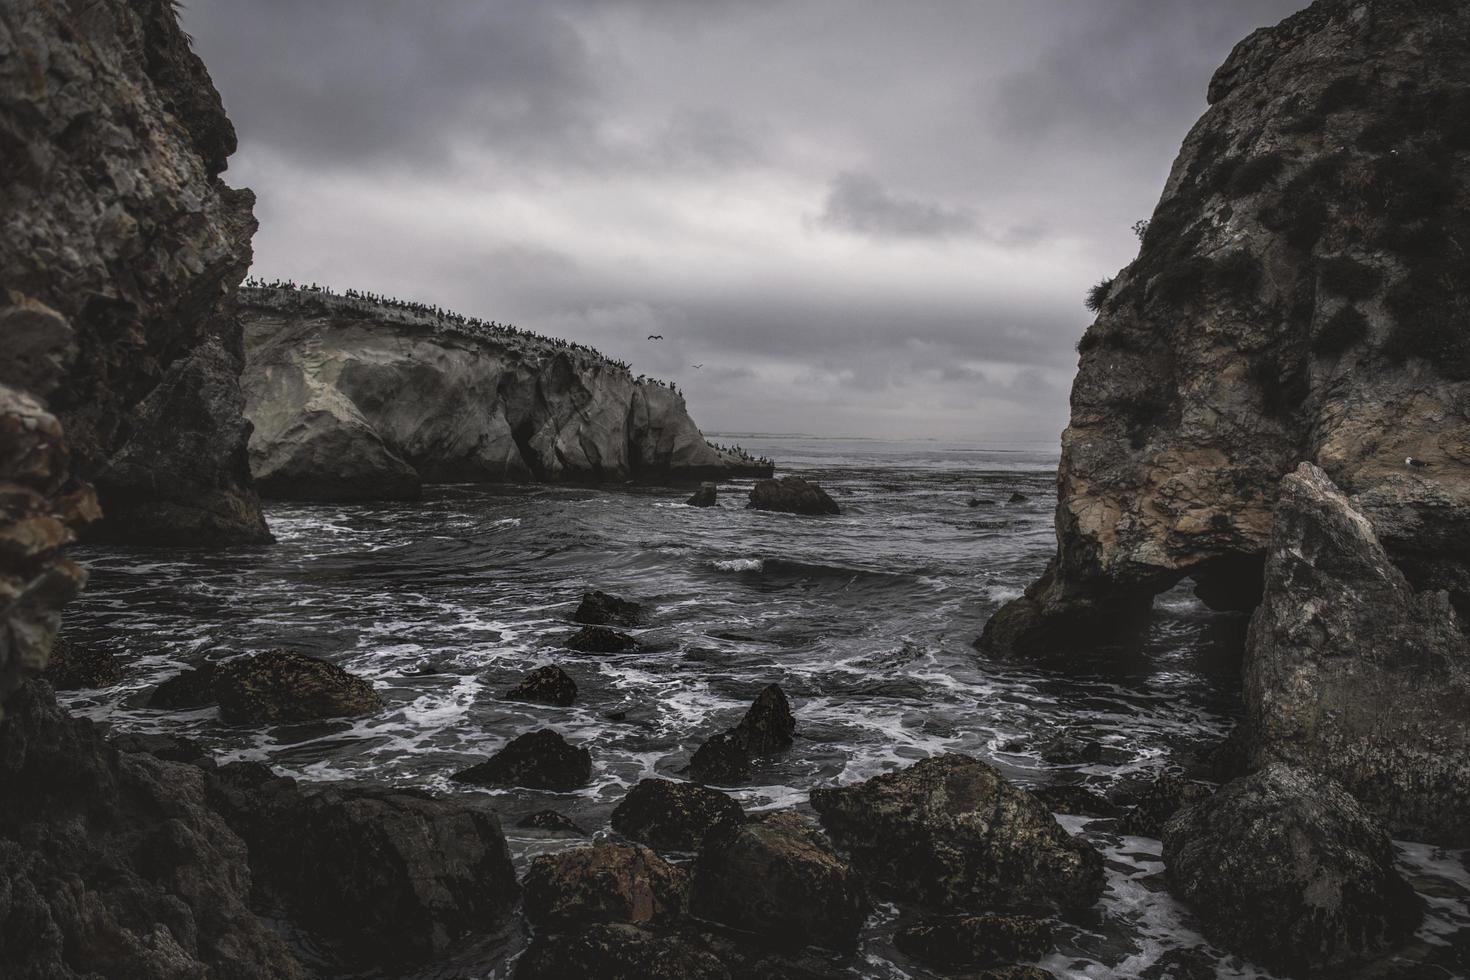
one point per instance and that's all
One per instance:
(540, 760)
(604, 883)
(726, 758)
(547, 685)
(791, 495)
(673, 816)
(1297, 297)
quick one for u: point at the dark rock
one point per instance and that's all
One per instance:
(604, 883)
(952, 832)
(1017, 498)
(1077, 800)
(778, 878)
(173, 748)
(726, 758)
(975, 940)
(280, 687)
(1067, 749)
(75, 666)
(705, 496)
(602, 609)
(547, 685)
(977, 502)
(1150, 808)
(1352, 673)
(791, 495)
(673, 816)
(1017, 972)
(1285, 867)
(550, 820)
(600, 639)
(539, 760)
(193, 687)
(617, 951)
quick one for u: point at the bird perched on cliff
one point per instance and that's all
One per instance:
(655, 336)
(1411, 461)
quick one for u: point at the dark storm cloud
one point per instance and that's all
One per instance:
(866, 216)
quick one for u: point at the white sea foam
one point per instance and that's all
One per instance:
(740, 565)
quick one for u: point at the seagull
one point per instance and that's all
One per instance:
(655, 336)
(1411, 461)
(696, 366)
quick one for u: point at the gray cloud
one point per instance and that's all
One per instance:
(858, 203)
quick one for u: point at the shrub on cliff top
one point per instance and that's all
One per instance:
(1098, 295)
(1431, 321)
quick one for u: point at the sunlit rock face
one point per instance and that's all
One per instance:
(354, 399)
(114, 219)
(1299, 295)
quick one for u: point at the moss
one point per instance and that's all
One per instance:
(1342, 275)
(1346, 329)
(1431, 321)
(1098, 295)
(1255, 173)
(1183, 282)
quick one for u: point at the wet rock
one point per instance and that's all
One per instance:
(546, 685)
(1076, 800)
(977, 502)
(1067, 749)
(1285, 867)
(1150, 807)
(705, 496)
(616, 951)
(1352, 673)
(539, 760)
(726, 758)
(952, 832)
(600, 639)
(1017, 498)
(550, 820)
(604, 883)
(673, 816)
(1017, 972)
(280, 687)
(381, 876)
(778, 878)
(172, 748)
(77, 666)
(603, 609)
(193, 687)
(791, 495)
(975, 940)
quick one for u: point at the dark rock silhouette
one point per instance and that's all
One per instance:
(670, 816)
(603, 609)
(539, 760)
(705, 496)
(600, 639)
(604, 883)
(547, 685)
(617, 951)
(791, 495)
(275, 687)
(1285, 867)
(1150, 807)
(951, 832)
(966, 941)
(75, 666)
(726, 758)
(552, 821)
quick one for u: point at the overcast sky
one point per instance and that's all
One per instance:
(862, 218)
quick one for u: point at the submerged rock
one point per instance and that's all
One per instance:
(604, 883)
(546, 685)
(952, 832)
(600, 639)
(538, 760)
(76, 666)
(604, 609)
(1017, 497)
(726, 758)
(1150, 808)
(1075, 800)
(791, 495)
(193, 687)
(1285, 867)
(172, 748)
(617, 951)
(1352, 673)
(552, 821)
(673, 816)
(778, 878)
(994, 939)
(279, 686)
(705, 496)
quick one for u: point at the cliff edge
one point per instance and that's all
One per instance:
(357, 398)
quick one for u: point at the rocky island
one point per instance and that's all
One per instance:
(358, 398)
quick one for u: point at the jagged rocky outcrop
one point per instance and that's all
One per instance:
(1299, 295)
(354, 399)
(1352, 673)
(120, 251)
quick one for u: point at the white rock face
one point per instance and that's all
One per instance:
(353, 400)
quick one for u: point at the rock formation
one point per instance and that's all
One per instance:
(1299, 295)
(541, 760)
(673, 816)
(791, 495)
(1351, 673)
(354, 399)
(120, 252)
(726, 757)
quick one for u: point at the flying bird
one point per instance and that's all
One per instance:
(696, 366)
(655, 336)
(1411, 461)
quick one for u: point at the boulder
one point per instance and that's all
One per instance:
(604, 883)
(172, 748)
(951, 832)
(1068, 749)
(600, 639)
(550, 820)
(603, 609)
(705, 496)
(617, 951)
(778, 878)
(1017, 498)
(1352, 673)
(282, 687)
(1077, 800)
(791, 495)
(1150, 807)
(192, 687)
(1285, 867)
(672, 816)
(726, 758)
(76, 666)
(993, 939)
(546, 685)
(538, 760)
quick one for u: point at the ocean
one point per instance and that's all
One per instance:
(866, 621)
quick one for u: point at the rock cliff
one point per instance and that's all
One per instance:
(120, 249)
(1300, 294)
(353, 398)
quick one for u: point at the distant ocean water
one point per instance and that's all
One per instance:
(866, 621)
